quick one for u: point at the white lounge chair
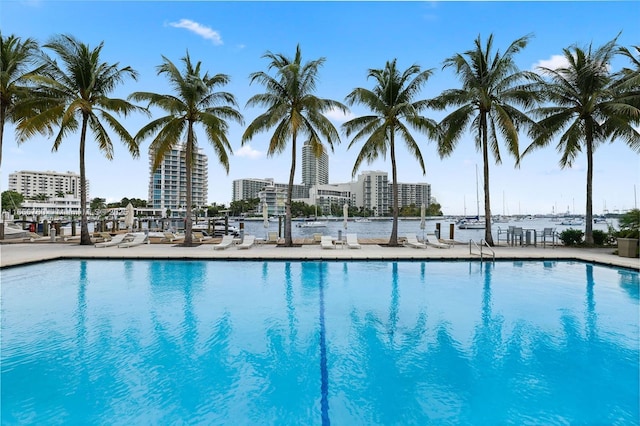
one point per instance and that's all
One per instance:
(200, 236)
(138, 239)
(247, 242)
(227, 241)
(272, 237)
(431, 240)
(326, 242)
(352, 241)
(114, 241)
(412, 241)
(171, 237)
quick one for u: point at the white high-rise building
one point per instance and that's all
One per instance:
(411, 194)
(52, 184)
(246, 189)
(372, 192)
(315, 170)
(168, 183)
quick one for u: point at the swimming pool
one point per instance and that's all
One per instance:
(211, 342)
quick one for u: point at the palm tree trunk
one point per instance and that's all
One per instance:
(588, 234)
(188, 164)
(485, 159)
(288, 240)
(393, 241)
(85, 239)
(2, 118)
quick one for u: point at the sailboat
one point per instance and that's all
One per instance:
(315, 223)
(473, 222)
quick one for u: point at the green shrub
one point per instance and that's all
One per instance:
(600, 238)
(571, 237)
(629, 224)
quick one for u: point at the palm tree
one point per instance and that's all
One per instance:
(589, 105)
(635, 59)
(17, 57)
(75, 97)
(392, 104)
(195, 101)
(294, 111)
(492, 89)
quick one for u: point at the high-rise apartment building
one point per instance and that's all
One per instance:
(52, 184)
(411, 194)
(315, 170)
(246, 189)
(372, 192)
(168, 183)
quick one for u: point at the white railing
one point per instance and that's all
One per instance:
(483, 245)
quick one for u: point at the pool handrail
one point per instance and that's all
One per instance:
(483, 243)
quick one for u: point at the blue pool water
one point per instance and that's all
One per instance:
(314, 343)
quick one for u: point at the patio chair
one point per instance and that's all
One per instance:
(431, 240)
(548, 234)
(504, 234)
(171, 237)
(517, 233)
(227, 241)
(114, 241)
(412, 241)
(272, 237)
(352, 241)
(326, 242)
(138, 239)
(247, 242)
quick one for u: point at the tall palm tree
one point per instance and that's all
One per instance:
(294, 111)
(75, 98)
(195, 100)
(392, 103)
(17, 61)
(634, 58)
(588, 106)
(492, 90)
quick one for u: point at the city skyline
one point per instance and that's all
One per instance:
(231, 37)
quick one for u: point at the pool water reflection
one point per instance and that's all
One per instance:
(211, 342)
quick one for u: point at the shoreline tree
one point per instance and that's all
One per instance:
(73, 96)
(194, 101)
(391, 102)
(589, 105)
(492, 89)
(294, 111)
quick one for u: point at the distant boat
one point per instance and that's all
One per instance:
(363, 220)
(501, 219)
(218, 228)
(572, 221)
(313, 224)
(471, 223)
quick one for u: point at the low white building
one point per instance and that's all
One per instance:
(53, 207)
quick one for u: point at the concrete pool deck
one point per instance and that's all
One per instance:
(13, 254)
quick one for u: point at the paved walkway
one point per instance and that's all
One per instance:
(24, 253)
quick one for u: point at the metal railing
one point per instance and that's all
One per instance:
(483, 244)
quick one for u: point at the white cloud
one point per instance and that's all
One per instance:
(555, 62)
(247, 151)
(337, 115)
(201, 30)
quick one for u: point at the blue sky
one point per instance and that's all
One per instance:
(231, 37)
